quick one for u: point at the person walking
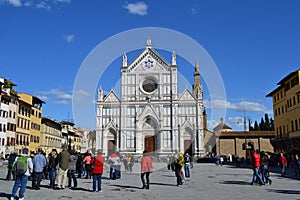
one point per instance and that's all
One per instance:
(265, 168)
(39, 162)
(10, 170)
(63, 166)
(72, 169)
(113, 161)
(256, 171)
(21, 178)
(187, 161)
(87, 162)
(178, 164)
(282, 163)
(146, 169)
(52, 168)
(98, 170)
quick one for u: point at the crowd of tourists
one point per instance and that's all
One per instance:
(64, 168)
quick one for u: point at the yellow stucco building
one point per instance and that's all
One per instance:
(286, 107)
(51, 135)
(35, 120)
(23, 126)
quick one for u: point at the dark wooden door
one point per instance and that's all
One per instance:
(150, 144)
(110, 147)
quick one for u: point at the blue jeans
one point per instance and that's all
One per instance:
(187, 170)
(97, 177)
(112, 172)
(52, 174)
(118, 171)
(256, 174)
(264, 174)
(72, 176)
(20, 179)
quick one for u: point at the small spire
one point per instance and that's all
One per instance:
(100, 97)
(124, 61)
(173, 58)
(197, 66)
(149, 42)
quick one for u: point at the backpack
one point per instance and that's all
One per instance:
(93, 164)
(20, 166)
(180, 160)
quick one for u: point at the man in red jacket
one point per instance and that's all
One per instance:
(282, 163)
(256, 166)
(98, 170)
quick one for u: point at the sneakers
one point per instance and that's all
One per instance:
(100, 191)
(21, 198)
(12, 198)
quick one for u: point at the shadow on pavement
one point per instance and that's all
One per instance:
(285, 191)
(165, 184)
(236, 182)
(5, 195)
(81, 189)
(126, 186)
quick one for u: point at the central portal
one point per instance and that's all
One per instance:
(149, 142)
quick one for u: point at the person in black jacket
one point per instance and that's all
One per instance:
(10, 170)
(52, 167)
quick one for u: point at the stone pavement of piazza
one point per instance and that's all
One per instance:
(208, 181)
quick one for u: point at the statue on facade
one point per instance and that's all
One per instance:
(124, 60)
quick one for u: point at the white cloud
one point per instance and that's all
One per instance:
(56, 96)
(43, 5)
(82, 93)
(63, 1)
(69, 37)
(64, 102)
(138, 8)
(28, 4)
(43, 98)
(16, 3)
(248, 106)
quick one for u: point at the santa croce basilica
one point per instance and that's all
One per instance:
(150, 114)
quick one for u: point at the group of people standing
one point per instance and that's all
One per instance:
(62, 166)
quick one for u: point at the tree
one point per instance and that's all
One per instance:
(272, 125)
(256, 127)
(267, 123)
(262, 125)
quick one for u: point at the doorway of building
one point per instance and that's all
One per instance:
(188, 146)
(149, 144)
(110, 147)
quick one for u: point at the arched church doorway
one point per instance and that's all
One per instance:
(150, 135)
(149, 143)
(111, 142)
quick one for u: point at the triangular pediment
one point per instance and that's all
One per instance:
(111, 97)
(148, 60)
(149, 112)
(187, 96)
(187, 125)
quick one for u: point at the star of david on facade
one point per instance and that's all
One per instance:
(148, 63)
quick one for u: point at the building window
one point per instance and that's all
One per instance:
(292, 124)
(296, 125)
(130, 139)
(167, 139)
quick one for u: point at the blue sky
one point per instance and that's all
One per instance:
(253, 43)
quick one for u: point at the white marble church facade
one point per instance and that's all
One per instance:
(150, 114)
